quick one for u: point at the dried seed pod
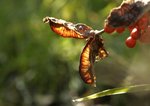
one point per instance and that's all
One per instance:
(68, 29)
(93, 50)
(98, 49)
(86, 65)
(127, 13)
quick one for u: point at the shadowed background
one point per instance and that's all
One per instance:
(40, 68)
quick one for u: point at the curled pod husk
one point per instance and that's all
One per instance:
(127, 13)
(68, 29)
(93, 50)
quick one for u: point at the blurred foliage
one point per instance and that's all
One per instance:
(39, 68)
(115, 91)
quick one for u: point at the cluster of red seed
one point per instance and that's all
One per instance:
(138, 30)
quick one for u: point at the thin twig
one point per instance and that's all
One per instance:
(99, 32)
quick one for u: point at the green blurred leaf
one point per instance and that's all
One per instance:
(116, 91)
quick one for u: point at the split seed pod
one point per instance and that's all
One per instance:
(68, 29)
(92, 51)
(127, 13)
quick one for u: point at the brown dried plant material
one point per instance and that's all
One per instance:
(68, 29)
(127, 13)
(93, 50)
(86, 65)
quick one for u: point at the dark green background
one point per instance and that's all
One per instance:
(39, 68)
